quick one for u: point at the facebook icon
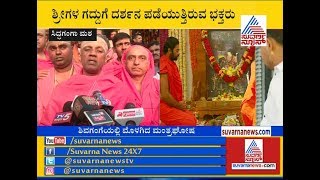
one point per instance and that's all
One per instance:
(50, 151)
(50, 161)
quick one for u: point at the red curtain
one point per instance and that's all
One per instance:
(163, 39)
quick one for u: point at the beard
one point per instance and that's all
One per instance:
(173, 58)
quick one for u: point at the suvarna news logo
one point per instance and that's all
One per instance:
(253, 30)
(253, 150)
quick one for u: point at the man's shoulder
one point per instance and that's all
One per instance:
(48, 78)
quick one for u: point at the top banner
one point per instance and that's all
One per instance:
(156, 14)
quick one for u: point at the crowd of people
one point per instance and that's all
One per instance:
(126, 70)
(123, 72)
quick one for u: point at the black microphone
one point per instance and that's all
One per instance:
(130, 116)
(67, 106)
(65, 118)
(129, 106)
(104, 103)
(88, 111)
(83, 103)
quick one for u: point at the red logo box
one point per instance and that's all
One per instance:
(236, 154)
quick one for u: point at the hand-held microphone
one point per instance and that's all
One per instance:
(104, 103)
(88, 111)
(130, 116)
(65, 118)
(83, 103)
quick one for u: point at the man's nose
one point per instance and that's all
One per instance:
(58, 51)
(93, 53)
(136, 61)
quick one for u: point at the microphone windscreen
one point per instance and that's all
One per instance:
(67, 106)
(129, 106)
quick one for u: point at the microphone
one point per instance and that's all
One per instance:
(88, 111)
(67, 106)
(130, 116)
(65, 118)
(130, 106)
(104, 103)
(83, 103)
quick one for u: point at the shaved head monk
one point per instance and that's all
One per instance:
(172, 109)
(61, 54)
(92, 78)
(143, 88)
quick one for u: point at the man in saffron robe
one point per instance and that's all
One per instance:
(248, 105)
(143, 88)
(61, 54)
(172, 109)
(92, 78)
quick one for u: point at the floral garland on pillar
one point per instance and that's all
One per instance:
(228, 75)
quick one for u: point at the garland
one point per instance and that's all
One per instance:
(231, 74)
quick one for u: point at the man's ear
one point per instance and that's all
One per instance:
(270, 44)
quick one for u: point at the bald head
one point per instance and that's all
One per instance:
(60, 53)
(137, 61)
(41, 39)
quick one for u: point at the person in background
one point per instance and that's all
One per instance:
(111, 54)
(43, 59)
(137, 39)
(121, 42)
(172, 109)
(154, 48)
(272, 56)
(112, 33)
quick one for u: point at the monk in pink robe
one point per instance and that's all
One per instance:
(61, 54)
(43, 60)
(92, 78)
(137, 74)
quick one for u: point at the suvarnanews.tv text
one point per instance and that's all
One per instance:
(245, 131)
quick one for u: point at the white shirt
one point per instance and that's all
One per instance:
(273, 107)
(157, 76)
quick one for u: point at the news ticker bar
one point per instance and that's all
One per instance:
(224, 131)
(216, 170)
(137, 151)
(147, 140)
(133, 161)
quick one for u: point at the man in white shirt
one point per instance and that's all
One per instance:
(272, 56)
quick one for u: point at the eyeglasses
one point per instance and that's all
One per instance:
(124, 43)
